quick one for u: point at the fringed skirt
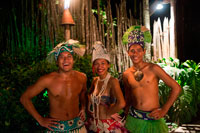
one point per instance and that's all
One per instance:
(139, 122)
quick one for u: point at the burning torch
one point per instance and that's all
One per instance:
(67, 19)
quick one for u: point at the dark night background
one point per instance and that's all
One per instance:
(188, 28)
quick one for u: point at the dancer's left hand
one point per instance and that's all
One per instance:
(158, 113)
(116, 117)
(82, 114)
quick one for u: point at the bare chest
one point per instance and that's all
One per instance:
(148, 81)
(65, 88)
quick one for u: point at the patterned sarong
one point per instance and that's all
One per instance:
(105, 126)
(139, 122)
(75, 125)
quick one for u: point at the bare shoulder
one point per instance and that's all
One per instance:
(114, 84)
(80, 75)
(44, 81)
(155, 67)
(127, 72)
(113, 80)
(158, 71)
(48, 77)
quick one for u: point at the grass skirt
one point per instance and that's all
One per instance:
(135, 125)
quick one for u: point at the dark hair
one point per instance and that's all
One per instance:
(134, 44)
(101, 58)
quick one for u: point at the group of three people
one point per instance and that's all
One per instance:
(74, 109)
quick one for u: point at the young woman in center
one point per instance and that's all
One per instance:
(105, 97)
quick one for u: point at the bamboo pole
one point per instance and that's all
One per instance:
(160, 40)
(83, 20)
(90, 28)
(172, 31)
(87, 27)
(99, 20)
(118, 38)
(155, 46)
(166, 38)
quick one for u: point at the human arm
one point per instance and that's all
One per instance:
(88, 102)
(127, 94)
(175, 91)
(26, 98)
(117, 93)
(83, 99)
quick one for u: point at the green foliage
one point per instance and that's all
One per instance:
(83, 64)
(104, 18)
(171, 126)
(14, 79)
(103, 15)
(188, 76)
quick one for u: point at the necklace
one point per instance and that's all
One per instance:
(138, 75)
(108, 75)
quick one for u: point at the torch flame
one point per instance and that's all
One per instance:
(66, 4)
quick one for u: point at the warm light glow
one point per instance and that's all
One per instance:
(159, 6)
(66, 4)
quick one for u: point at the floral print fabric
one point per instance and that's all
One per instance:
(105, 126)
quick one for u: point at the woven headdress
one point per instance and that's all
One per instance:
(99, 52)
(136, 35)
(64, 47)
(71, 46)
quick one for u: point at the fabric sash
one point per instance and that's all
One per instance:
(140, 114)
(69, 126)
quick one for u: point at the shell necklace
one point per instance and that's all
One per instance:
(138, 74)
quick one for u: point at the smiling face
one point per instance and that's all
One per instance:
(65, 61)
(136, 53)
(101, 67)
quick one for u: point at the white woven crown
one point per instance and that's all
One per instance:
(99, 52)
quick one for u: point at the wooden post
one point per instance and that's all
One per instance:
(67, 32)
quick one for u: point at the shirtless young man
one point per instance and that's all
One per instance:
(66, 91)
(141, 89)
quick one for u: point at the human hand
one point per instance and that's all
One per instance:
(48, 123)
(116, 117)
(82, 114)
(123, 122)
(158, 113)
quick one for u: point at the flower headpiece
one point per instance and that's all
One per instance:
(136, 35)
